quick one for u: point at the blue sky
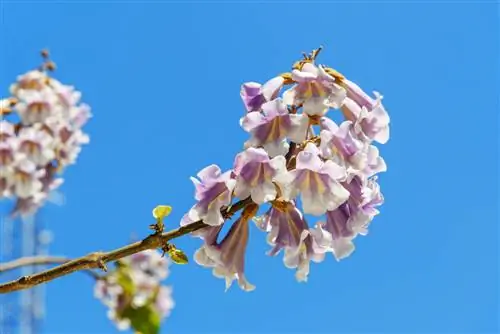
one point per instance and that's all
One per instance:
(163, 80)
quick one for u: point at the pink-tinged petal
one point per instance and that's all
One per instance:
(289, 231)
(355, 93)
(309, 158)
(334, 171)
(271, 88)
(227, 258)
(274, 108)
(251, 121)
(209, 172)
(255, 173)
(298, 130)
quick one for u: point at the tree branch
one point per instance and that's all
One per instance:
(39, 260)
(99, 259)
(31, 261)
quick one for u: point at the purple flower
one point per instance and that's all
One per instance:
(315, 89)
(288, 230)
(6, 130)
(213, 191)
(254, 95)
(317, 182)
(27, 179)
(356, 155)
(227, 258)
(352, 217)
(274, 124)
(37, 145)
(368, 113)
(149, 262)
(255, 173)
(35, 106)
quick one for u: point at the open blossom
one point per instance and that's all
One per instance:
(35, 106)
(317, 182)
(144, 273)
(352, 217)
(343, 142)
(288, 230)
(254, 95)
(255, 173)
(315, 89)
(47, 138)
(367, 113)
(271, 126)
(286, 166)
(27, 178)
(37, 145)
(227, 258)
(213, 191)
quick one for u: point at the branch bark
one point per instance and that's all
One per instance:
(31, 261)
(98, 260)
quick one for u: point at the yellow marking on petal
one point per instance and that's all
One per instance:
(321, 186)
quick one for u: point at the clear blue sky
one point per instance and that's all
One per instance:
(163, 81)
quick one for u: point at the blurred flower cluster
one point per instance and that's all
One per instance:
(299, 162)
(134, 294)
(40, 134)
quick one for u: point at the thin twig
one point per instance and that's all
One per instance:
(39, 260)
(31, 261)
(99, 259)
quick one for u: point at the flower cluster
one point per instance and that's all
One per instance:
(133, 291)
(40, 134)
(298, 162)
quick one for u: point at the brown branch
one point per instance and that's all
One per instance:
(31, 261)
(99, 259)
(39, 260)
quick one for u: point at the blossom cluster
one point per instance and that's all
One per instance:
(299, 162)
(134, 289)
(40, 134)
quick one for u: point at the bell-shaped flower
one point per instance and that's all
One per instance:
(256, 173)
(274, 124)
(212, 191)
(288, 230)
(32, 80)
(36, 144)
(27, 179)
(35, 106)
(254, 95)
(8, 151)
(149, 262)
(357, 155)
(367, 113)
(315, 90)
(227, 258)
(317, 182)
(6, 130)
(354, 216)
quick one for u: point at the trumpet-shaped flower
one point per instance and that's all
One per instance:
(269, 127)
(227, 258)
(317, 182)
(316, 90)
(288, 230)
(37, 145)
(213, 191)
(357, 155)
(254, 95)
(256, 173)
(367, 113)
